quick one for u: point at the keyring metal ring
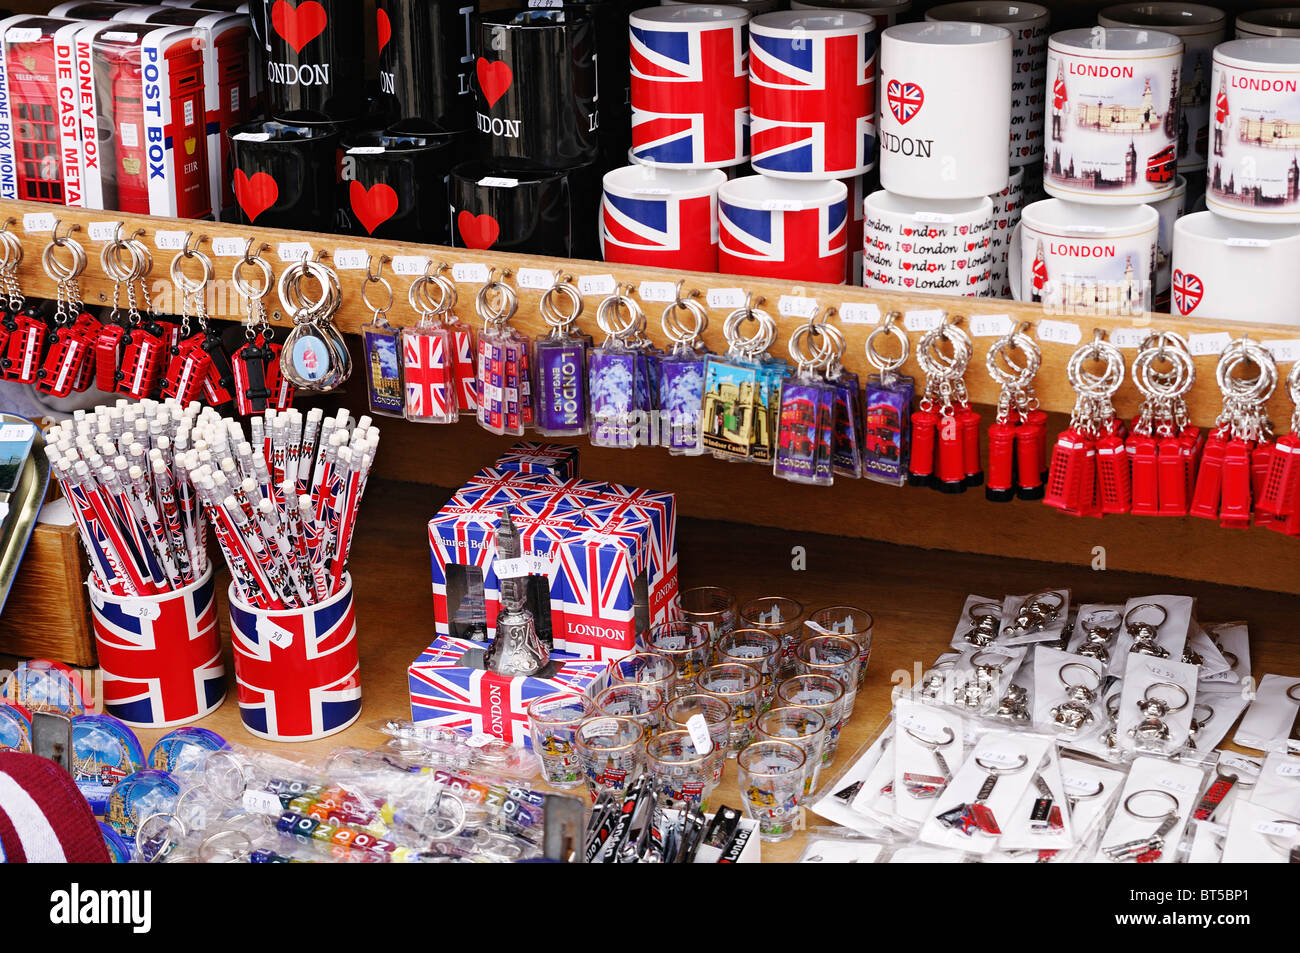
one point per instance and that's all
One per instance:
(1128, 804)
(677, 332)
(1164, 614)
(1101, 786)
(948, 739)
(182, 281)
(1166, 386)
(290, 287)
(233, 769)
(171, 823)
(509, 302)
(370, 282)
(1013, 374)
(802, 358)
(999, 770)
(1091, 385)
(890, 328)
(1060, 674)
(241, 284)
(608, 311)
(1244, 780)
(1199, 723)
(211, 848)
(937, 364)
(551, 314)
(991, 610)
(55, 268)
(1146, 696)
(111, 264)
(12, 243)
(1245, 351)
(976, 663)
(1291, 692)
(418, 296)
(1045, 595)
(1112, 706)
(762, 338)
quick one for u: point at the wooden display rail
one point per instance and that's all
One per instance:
(1053, 389)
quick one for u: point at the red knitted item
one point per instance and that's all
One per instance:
(43, 817)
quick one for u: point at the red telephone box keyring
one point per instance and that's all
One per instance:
(1088, 475)
(945, 454)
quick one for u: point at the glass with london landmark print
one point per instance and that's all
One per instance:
(1112, 124)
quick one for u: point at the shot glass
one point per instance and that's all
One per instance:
(688, 645)
(553, 722)
(647, 669)
(639, 703)
(833, 655)
(823, 694)
(803, 726)
(757, 649)
(850, 622)
(716, 715)
(781, 617)
(710, 606)
(739, 686)
(684, 775)
(612, 751)
(773, 775)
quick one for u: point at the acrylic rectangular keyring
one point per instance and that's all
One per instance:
(560, 363)
(802, 401)
(728, 408)
(767, 409)
(613, 373)
(428, 375)
(847, 449)
(681, 394)
(383, 368)
(886, 429)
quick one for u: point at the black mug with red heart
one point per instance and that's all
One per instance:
(426, 64)
(515, 210)
(314, 60)
(395, 185)
(535, 87)
(286, 174)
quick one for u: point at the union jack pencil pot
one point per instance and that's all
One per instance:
(160, 655)
(296, 669)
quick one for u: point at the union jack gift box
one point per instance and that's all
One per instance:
(450, 687)
(557, 459)
(587, 591)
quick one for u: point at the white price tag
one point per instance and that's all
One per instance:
(262, 802)
(1243, 765)
(169, 241)
(471, 272)
(1284, 769)
(350, 259)
(522, 566)
(1074, 784)
(1276, 829)
(1172, 785)
(650, 190)
(497, 182)
(932, 218)
(23, 35)
(795, 306)
(118, 36)
(253, 136)
(661, 291)
(138, 609)
(725, 299)
(367, 151)
(277, 635)
(102, 231)
(38, 222)
(1001, 758)
(1247, 242)
(990, 325)
(294, 251)
(478, 740)
(859, 312)
(229, 247)
(536, 279)
(1059, 332)
(596, 284)
(921, 725)
(11, 433)
(782, 205)
(1129, 339)
(1204, 344)
(699, 729)
(1284, 351)
(410, 265)
(922, 321)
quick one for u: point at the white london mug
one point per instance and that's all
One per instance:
(1112, 117)
(1235, 271)
(1201, 29)
(945, 116)
(1255, 131)
(935, 246)
(1007, 205)
(1028, 23)
(1084, 259)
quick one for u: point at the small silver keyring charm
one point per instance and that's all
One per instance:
(948, 738)
(1128, 804)
(998, 770)
(1146, 697)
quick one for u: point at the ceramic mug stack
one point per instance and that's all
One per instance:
(813, 132)
(1007, 206)
(1279, 21)
(945, 122)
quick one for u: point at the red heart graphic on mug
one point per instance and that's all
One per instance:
(907, 266)
(905, 99)
(970, 246)
(1188, 290)
(256, 193)
(372, 207)
(494, 78)
(298, 26)
(1002, 223)
(478, 231)
(907, 246)
(909, 281)
(963, 229)
(961, 263)
(907, 231)
(385, 27)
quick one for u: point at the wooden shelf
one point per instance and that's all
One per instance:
(1053, 390)
(915, 595)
